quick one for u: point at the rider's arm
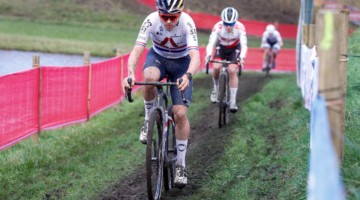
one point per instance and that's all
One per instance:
(263, 40)
(133, 59)
(193, 67)
(194, 62)
(243, 42)
(213, 39)
(138, 48)
(193, 48)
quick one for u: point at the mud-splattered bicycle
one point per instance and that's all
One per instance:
(161, 149)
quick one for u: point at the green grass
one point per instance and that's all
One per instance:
(266, 160)
(64, 38)
(28, 35)
(351, 162)
(258, 164)
(66, 162)
(73, 27)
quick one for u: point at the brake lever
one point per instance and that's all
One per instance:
(182, 92)
(128, 91)
(207, 65)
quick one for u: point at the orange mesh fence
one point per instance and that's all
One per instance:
(285, 60)
(65, 92)
(64, 95)
(19, 106)
(105, 84)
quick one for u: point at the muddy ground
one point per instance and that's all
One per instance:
(207, 144)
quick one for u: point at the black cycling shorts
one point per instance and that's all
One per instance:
(229, 54)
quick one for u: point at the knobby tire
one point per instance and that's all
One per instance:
(222, 89)
(169, 169)
(268, 64)
(154, 162)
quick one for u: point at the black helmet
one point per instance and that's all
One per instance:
(170, 6)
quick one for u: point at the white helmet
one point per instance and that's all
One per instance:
(270, 28)
(229, 15)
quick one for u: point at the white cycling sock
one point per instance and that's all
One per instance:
(216, 83)
(149, 105)
(181, 146)
(233, 92)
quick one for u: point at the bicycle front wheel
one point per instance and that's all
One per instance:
(268, 65)
(154, 156)
(222, 99)
(226, 110)
(170, 149)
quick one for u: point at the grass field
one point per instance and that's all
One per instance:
(66, 163)
(72, 28)
(351, 163)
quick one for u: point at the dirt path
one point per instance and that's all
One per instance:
(207, 144)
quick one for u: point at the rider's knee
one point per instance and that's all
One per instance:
(232, 70)
(180, 113)
(149, 78)
(216, 67)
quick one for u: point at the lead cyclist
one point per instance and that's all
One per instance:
(175, 53)
(229, 37)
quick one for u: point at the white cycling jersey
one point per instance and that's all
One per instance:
(219, 35)
(169, 44)
(271, 40)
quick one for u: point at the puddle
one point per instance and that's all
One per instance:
(12, 61)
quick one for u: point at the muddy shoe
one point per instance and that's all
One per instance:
(214, 96)
(180, 176)
(233, 108)
(143, 132)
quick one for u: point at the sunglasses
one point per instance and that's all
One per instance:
(171, 17)
(229, 24)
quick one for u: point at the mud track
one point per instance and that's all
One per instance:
(207, 144)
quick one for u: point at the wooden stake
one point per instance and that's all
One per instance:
(311, 37)
(36, 64)
(305, 33)
(87, 63)
(328, 26)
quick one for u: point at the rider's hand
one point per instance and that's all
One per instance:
(185, 82)
(207, 59)
(241, 60)
(125, 83)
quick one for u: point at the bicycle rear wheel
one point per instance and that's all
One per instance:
(226, 111)
(169, 169)
(222, 100)
(154, 157)
(268, 64)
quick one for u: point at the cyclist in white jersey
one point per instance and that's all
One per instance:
(229, 38)
(271, 39)
(174, 53)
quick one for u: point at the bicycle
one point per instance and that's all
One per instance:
(269, 59)
(161, 149)
(224, 91)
